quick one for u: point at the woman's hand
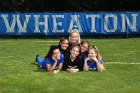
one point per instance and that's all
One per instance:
(55, 60)
(73, 70)
(94, 59)
(56, 71)
(87, 59)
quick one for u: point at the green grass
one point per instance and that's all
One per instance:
(19, 75)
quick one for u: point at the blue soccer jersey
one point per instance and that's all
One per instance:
(92, 65)
(51, 62)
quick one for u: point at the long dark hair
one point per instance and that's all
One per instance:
(60, 43)
(61, 40)
(83, 42)
(50, 52)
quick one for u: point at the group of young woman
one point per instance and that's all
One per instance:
(72, 55)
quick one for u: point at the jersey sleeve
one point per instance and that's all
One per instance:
(61, 58)
(47, 61)
(101, 61)
(85, 57)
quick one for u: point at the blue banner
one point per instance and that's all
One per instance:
(88, 23)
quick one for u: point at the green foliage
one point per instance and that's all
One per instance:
(18, 74)
(69, 5)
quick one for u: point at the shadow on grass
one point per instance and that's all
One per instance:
(38, 68)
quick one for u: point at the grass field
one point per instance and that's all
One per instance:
(19, 75)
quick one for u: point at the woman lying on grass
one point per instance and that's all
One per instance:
(53, 61)
(93, 61)
(74, 38)
(73, 63)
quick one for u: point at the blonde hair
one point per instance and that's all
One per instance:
(96, 51)
(75, 31)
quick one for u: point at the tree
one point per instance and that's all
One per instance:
(68, 5)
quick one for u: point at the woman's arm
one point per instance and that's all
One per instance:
(72, 70)
(51, 68)
(85, 67)
(60, 66)
(100, 67)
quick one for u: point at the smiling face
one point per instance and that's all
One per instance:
(84, 47)
(56, 54)
(74, 38)
(74, 51)
(92, 53)
(64, 44)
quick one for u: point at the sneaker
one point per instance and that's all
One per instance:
(36, 63)
(36, 57)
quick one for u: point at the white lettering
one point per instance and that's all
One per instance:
(23, 29)
(75, 23)
(9, 29)
(56, 23)
(37, 23)
(131, 25)
(93, 29)
(106, 28)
